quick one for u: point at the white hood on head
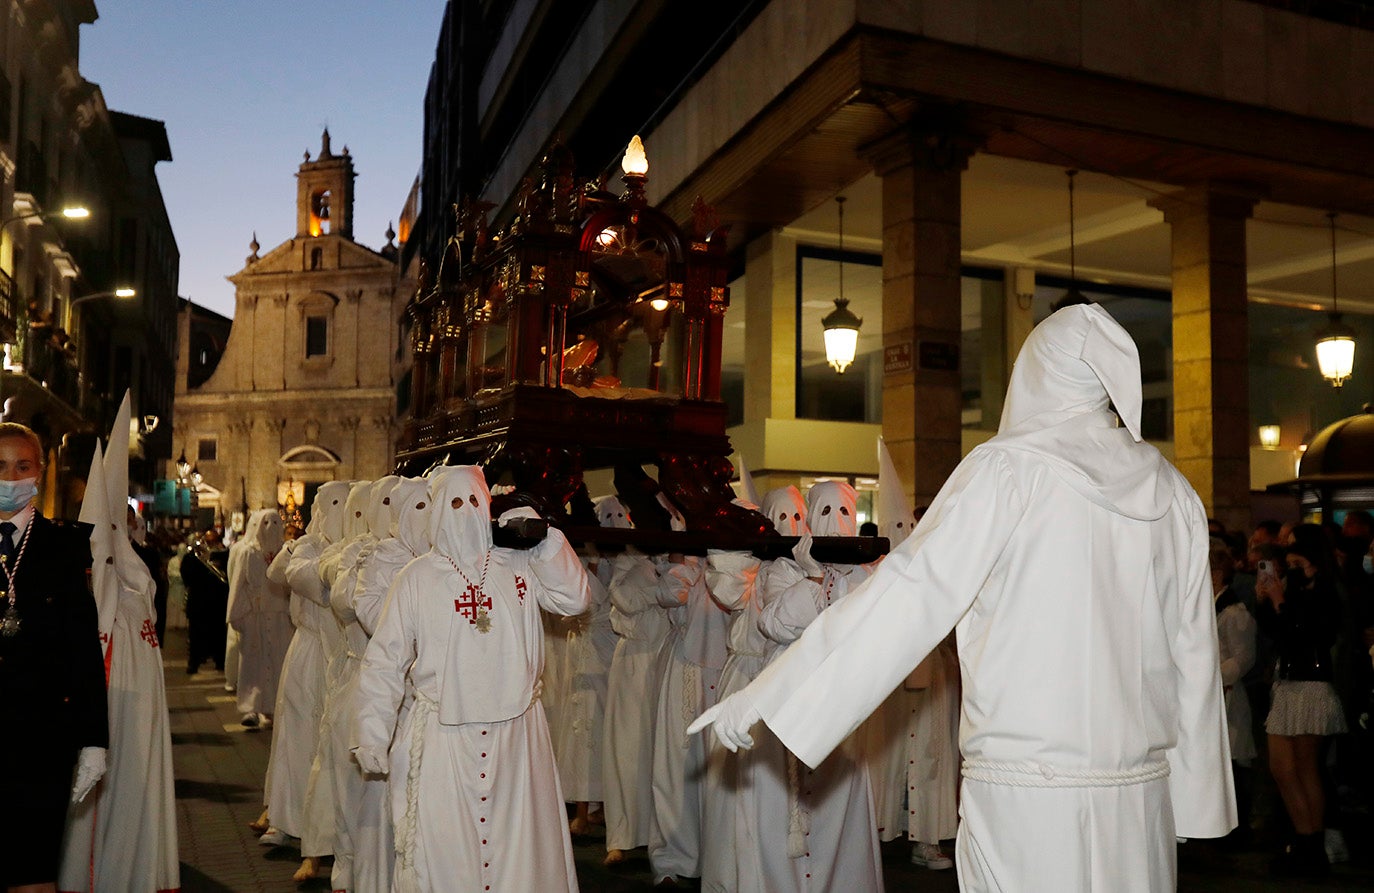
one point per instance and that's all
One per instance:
(611, 512)
(327, 517)
(897, 520)
(411, 499)
(1071, 367)
(379, 513)
(355, 509)
(830, 509)
(785, 508)
(264, 531)
(460, 514)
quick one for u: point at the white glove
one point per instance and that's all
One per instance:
(371, 759)
(732, 718)
(521, 511)
(801, 554)
(90, 767)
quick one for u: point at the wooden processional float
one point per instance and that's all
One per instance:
(587, 335)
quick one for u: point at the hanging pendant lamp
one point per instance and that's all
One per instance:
(1336, 342)
(841, 325)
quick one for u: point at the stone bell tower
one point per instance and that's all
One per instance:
(324, 193)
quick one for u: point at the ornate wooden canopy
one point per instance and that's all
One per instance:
(586, 334)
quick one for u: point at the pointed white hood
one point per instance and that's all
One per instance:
(611, 512)
(327, 515)
(746, 483)
(786, 509)
(897, 520)
(379, 513)
(355, 509)
(410, 498)
(830, 509)
(1072, 366)
(264, 532)
(460, 515)
(104, 532)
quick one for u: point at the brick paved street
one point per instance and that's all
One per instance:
(220, 766)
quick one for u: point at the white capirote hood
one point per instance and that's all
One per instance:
(611, 512)
(327, 515)
(411, 499)
(830, 509)
(460, 515)
(355, 509)
(1072, 366)
(379, 513)
(786, 509)
(264, 531)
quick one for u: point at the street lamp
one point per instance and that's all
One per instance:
(70, 212)
(122, 292)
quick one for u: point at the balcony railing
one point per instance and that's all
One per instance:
(9, 312)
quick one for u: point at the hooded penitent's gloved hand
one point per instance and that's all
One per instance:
(90, 767)
(801, 554)
(371, 760)
(732, 719)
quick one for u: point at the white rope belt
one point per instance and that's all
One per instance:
(1043, 775)
(405, 829)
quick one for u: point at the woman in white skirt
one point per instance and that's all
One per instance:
(1301, 611)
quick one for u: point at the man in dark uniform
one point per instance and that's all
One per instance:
(52, 671)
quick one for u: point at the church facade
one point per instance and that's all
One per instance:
(305, 391)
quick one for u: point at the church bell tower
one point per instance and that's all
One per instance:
(324, 193)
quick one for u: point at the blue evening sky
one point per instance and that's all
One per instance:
(245, 87)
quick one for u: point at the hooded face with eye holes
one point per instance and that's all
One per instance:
(785, 509)
(327, 513)
(611, 512)
(830, 509)
(410, 499)
(379, 513)
(355, 509)
(460, 515)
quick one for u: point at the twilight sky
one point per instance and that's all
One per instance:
(245, 87)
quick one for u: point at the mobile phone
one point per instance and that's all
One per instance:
(1267, 569)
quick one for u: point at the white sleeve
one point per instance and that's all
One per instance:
(787, 614)
(859, 649)
(382, 678)
(731, 578)
(1200, 782)
(633, 584)
(561, 577)
(303, 575)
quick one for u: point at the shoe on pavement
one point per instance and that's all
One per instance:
(1336, 850)
(273, 837)
(250, 720)
(928, 855)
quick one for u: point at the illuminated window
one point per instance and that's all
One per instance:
(319, 212)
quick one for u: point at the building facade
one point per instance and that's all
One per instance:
(87, 303)
(1209, 141)
(305, 390)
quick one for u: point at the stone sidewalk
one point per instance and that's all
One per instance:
(220, 765)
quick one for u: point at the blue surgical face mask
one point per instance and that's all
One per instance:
(14, 495)
(1369, 564)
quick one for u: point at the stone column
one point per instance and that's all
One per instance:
(921, 168)
(262, 474)
(1211, 347)
(770, 330)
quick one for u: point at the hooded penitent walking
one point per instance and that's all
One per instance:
(1071, 559)
(478, 804)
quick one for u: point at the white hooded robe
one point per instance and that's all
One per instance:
(478, 804)
(1072, 560)
(261, 612)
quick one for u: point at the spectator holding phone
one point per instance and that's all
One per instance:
(1301, 611)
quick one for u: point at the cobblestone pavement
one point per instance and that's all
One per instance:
(220, 766)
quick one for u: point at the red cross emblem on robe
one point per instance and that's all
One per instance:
(470, 602)
(520, 588)
(149, 633)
